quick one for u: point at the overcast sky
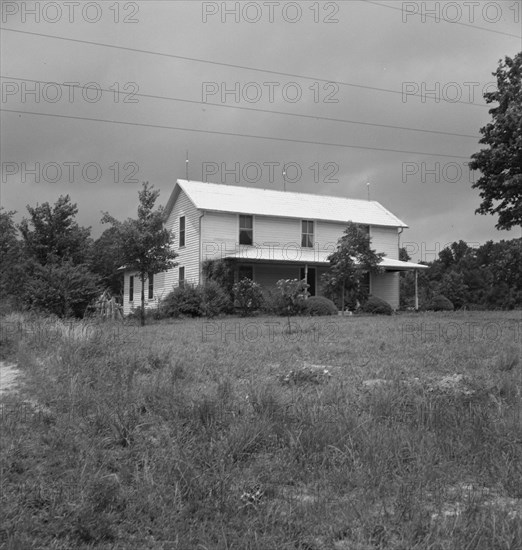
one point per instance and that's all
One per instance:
(338, 63)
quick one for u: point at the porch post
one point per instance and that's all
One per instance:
(416, 290)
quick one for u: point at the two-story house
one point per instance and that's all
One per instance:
(270, 235)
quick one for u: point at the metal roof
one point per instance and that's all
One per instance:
(284, 204)
(295, 254)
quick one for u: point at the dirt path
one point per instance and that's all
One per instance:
(9, 374)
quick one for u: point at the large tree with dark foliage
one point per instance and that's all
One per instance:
(486, 277)
(51, 233)
(11, 270)
(56, 255)
(501, 163)
(106, 259)
(145, 245)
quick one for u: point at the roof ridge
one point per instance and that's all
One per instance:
(279, 191)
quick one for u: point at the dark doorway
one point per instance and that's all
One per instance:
(310, 280)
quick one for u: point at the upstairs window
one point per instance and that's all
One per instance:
(307, 234)
(182, 231)
(131, 288)
(246, 230)
(151, 286)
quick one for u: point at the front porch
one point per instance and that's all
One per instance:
(267, 266)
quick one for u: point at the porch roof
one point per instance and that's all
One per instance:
(297, 255)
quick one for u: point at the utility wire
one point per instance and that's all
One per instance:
(214, 132)
(234, 66)
(440, 18)
(269, 111)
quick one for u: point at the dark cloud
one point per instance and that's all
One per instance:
(370, 46)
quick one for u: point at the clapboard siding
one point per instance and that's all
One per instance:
(386, 286)
(327, 234)
(385, 239)
(219, 234)
(188, 256)
(129, 306)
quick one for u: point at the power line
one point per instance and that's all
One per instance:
(442, 19)
(234, 66)
(215, 132)
(269, 111)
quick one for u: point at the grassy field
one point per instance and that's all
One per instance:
(348, 433)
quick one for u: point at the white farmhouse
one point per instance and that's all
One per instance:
(270, 235)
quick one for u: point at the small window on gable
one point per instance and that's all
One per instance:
(181, 276)
(307, 234)
(151, 286)
(246, 230)
(182, 231)
(131, 288)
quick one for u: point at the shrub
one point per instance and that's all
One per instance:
(440, 303)
(271, 302)
(214, 300)
(248, 296)
(62, 289)
(220, 271)
(183, 300)
(377, 306)
(291, 294)
(319, 305)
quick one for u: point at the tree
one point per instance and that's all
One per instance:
(54, 234)
(454, 288)
(60, 288)
(501, 164)
(106, 260)
(403, 255)
(57, 277)
(145, 244)
(349, 262)
(11, 265)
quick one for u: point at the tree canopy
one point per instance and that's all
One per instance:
(10, 251)
(485, 277)
(55, 274)
(52, 234)
(500, 164)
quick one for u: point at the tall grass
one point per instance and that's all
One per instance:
(165, 439)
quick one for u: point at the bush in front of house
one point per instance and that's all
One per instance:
(440, 303)
(215, 300)
(248, 296)
(377, 306)
(291, 294)
(183, 300)
(271, 302)
(220, 271)
(319, 305)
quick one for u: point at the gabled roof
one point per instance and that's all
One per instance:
(285, 204)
